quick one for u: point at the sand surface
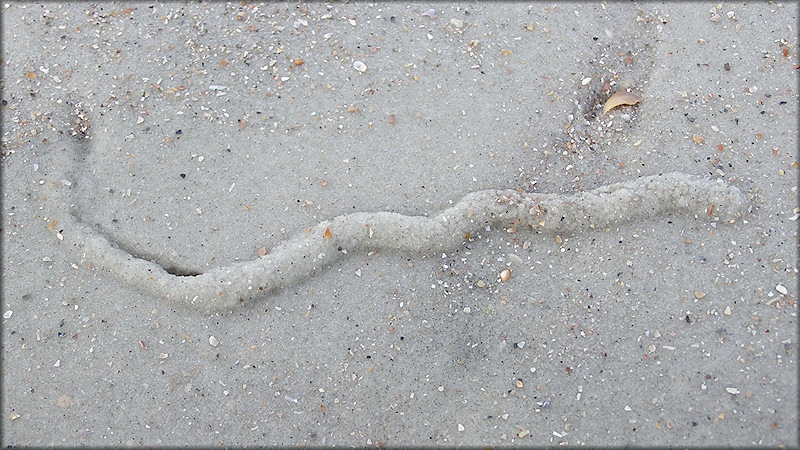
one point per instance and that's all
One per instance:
(199, 137)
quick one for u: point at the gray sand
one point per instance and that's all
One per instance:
(201, 136)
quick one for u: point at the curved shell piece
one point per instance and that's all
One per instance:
(621, 98)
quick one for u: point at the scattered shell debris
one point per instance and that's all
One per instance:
(227, 286)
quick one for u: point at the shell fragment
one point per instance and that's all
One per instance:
(621, 98)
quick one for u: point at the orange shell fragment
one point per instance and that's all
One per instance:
(328, 234)
(621, 98)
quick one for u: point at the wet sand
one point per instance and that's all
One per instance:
(201, 137)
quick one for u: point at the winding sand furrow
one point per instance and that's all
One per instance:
(301, 256)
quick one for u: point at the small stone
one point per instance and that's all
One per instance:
(505, 275)
(213, 341)
(64, 401)
(782, 289)
(698, 295)
(460, 427)
(7, 314)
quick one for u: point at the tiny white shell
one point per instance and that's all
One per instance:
(360, 66)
